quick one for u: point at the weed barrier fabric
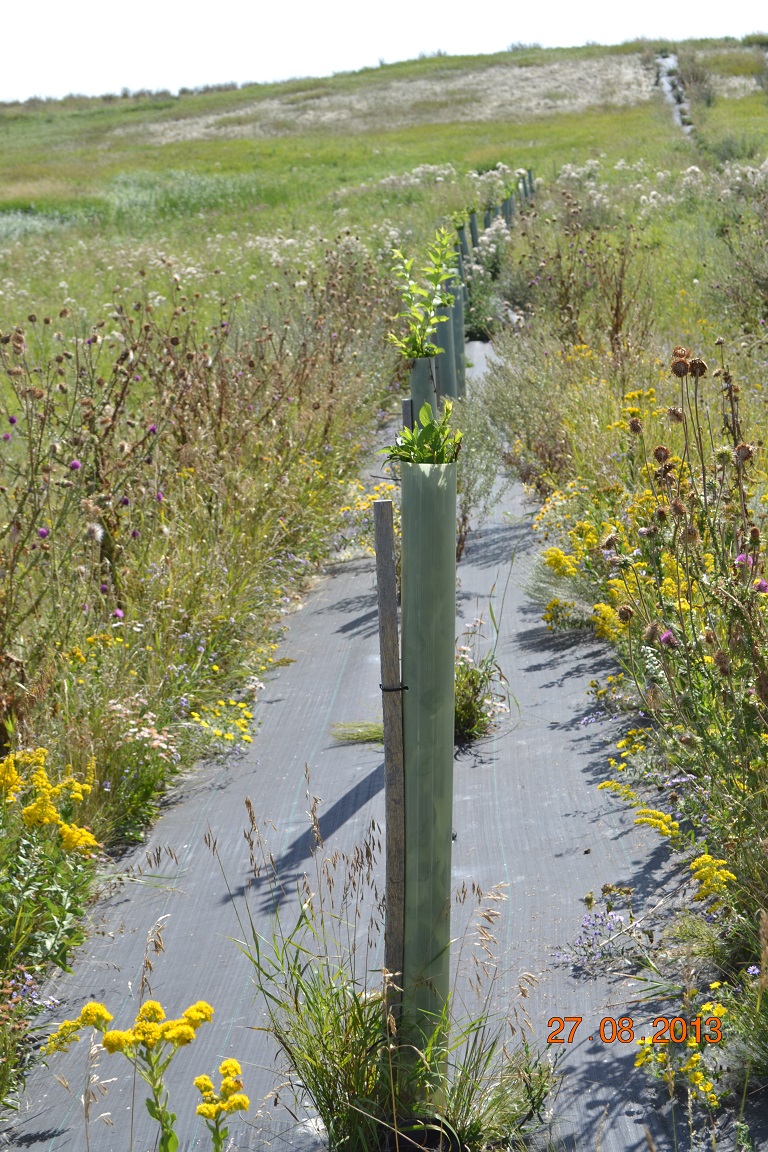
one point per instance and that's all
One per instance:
(428, 620)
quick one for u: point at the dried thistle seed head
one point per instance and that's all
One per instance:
(651, 530)
(719, 342)
(625, 613)
(690, 535)
(679, 368)
(721, 661)
(635, 426)
(677, 507)
(661, 453)
(662, 512)
(697, 367)
(709, 636)
(724, 455)
(676, 415)
(754, 534)
(609, 542)
(680, 353)
(652, 632)
(761, 685)
(743, 452)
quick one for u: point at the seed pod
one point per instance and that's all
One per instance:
(661, 454)
(625, 613)
(722, 662)
(652, 632)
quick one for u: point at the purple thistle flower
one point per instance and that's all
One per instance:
(160, 497)
(118, 612)
(135, 533)
(6, 435)
(742, 558)
(125, 501)
(42, 533)
(12, 420)
(152, 428)
(761, 585)
(75, 465)
(104, 588)
(668, 638)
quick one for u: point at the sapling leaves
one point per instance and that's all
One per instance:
(430, 441)
(422, 297)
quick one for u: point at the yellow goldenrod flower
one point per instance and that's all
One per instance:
(150, 1012)
(118, 1041)
(198, 1013)
(94, 1015)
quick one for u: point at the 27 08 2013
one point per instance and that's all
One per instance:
(666, 1030)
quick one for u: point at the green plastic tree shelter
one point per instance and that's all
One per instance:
(461, 232)
(446, 361)
(423, 382)
(473, 229)
(428, 622)
(460, 358)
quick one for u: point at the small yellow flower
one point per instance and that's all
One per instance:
(198, 1013)
(95, 1015)
(151, 1012)
(230, 1067)
(118, 1041)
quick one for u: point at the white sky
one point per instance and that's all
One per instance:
(92, 47)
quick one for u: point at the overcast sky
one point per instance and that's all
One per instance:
(93, 47)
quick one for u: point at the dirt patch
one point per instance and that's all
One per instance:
(501, 92)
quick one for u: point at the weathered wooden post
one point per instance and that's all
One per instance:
(394, 787)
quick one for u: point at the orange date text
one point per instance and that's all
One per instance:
(663, 1030)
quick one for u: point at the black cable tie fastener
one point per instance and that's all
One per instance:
(398, 688)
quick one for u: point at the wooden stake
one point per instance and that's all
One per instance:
(392, 706)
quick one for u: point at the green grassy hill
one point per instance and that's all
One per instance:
(284, 156)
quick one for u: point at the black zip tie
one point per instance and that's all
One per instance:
(399, 688)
